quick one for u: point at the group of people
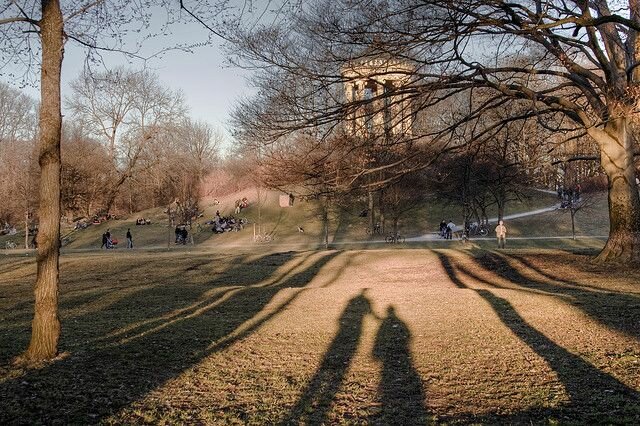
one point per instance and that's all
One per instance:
(8, 229)
(142, 221)
(108, 242)
(98, 219)
(225, 224)
(447, 229)
(567, 197)
(241, 204)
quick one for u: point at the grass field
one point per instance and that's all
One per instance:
(403, 336)
(267, 217)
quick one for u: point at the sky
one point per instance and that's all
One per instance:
(210, 86)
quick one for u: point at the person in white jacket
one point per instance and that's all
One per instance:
(501, 234)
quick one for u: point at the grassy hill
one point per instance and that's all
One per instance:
(265, 216)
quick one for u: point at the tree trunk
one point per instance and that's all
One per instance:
(372, 214)
(26, 230)
(45, 328)
(573, 222)
(325, 222)
(500, 210)
(616, 157)
(382, 210)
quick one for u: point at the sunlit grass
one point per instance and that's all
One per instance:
(345, 224)
(349, 336)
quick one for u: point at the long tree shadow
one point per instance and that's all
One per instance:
(101, 377)
(556, 277)
(595, 396)
(403, 397)
(314, 404)
(619, 311)
(111, 292)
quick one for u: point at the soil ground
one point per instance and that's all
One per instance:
(383, 336)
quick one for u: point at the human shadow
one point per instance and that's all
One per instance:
(402, 394)
(102, 376)
(618, 311)
(314, 404)
(595, 396)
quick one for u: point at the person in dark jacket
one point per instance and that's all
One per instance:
(129, 239)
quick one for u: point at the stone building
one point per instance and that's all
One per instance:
(375, 90)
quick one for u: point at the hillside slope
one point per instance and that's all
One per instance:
(265, 217)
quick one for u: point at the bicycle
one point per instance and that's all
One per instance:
(10, 245)
(475, 229)
(377, 229)
(394, 239)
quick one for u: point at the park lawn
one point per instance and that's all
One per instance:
(341, 337)
(592, 220)
(265, 216)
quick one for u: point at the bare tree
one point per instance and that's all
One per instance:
(404, 196)
(105, 102)
(575, 63)
(35, 32)
(584, 203)
(128, 110)
(86, 170)
(17, 145)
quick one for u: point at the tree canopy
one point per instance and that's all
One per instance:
(569, 66)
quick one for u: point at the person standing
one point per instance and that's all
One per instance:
(108, 243)
(129, 239)
(104, 240)
(501, 234)
(450, 228)
(443, 228)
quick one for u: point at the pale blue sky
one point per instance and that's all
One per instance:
(209, 85)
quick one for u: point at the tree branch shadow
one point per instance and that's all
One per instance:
(618, 311)
(595, 396)
(100, 377)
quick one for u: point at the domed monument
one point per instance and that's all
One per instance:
(377, 97)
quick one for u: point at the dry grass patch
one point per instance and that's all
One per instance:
(351, 337)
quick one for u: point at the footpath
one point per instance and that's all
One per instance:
(434, 236)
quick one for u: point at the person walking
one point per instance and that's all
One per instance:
(129, 239)
(501, 234)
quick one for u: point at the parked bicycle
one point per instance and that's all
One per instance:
(377, 230)
(477, 229)
(10, 245)
(395, 239)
